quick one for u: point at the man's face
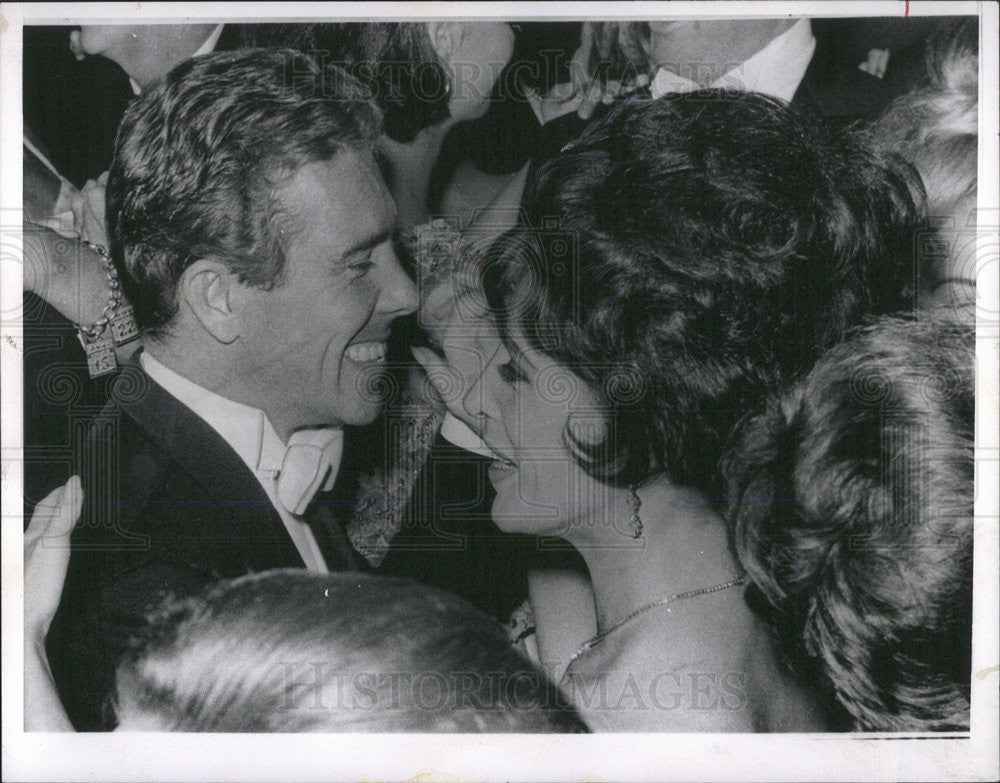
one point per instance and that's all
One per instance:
(314, 344)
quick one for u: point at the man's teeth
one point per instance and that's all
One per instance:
(366, 352)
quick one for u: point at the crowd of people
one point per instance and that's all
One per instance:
(687, 317)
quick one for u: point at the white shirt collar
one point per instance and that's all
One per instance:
(205, 48)
(244, 428)
(247, 429)
(776, 70)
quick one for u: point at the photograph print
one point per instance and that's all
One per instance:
(473, 375)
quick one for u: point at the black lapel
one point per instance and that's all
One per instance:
(838, 92)
(333, 542)
(210, 462)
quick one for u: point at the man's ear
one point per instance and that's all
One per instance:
(206, 287)
(446, 39)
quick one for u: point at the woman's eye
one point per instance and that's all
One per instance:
(509, 373)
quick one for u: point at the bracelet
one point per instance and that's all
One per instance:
(95, 330)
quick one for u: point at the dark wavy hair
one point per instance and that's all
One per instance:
(199, 159)
(851, 509)
(394, 60)
(688, 255)
(294, 651)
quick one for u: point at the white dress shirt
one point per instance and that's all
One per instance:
(776, 70)
(250, 434)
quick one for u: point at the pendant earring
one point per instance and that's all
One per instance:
(634, 521)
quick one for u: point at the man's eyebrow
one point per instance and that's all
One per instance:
(366, 244)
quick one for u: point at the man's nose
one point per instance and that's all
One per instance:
(399, 295)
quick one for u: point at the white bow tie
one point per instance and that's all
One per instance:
(311, 461)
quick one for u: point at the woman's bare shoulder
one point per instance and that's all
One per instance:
(712, 670)
(657, 679)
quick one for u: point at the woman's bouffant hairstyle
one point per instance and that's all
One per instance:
(851, 509)
(689, 254)
(936, 129)
(294, 651)
(394, 60)
(200, 157)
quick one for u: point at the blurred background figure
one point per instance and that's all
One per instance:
(426, 76)
(811, 62)
(851, 510)
(145, 52)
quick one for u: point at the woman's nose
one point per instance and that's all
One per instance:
(479, 401)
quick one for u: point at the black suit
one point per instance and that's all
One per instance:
(169, 507)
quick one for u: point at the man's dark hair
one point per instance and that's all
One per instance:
(199, 159)
(293, 651)
(688, 255)
(851, 508)
(394, 60)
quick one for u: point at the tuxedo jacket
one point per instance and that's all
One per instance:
(169, 507)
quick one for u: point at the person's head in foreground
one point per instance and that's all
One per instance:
(293, 651)
(683, 259)
(851, 506)
(251, 230)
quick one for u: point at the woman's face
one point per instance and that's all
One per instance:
(524, 402)
(475, 65)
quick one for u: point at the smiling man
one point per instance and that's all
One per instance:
(251, 231)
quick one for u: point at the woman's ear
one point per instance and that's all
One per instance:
(446, 39)
(206, 287)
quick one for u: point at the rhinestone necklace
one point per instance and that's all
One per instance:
(592, 643)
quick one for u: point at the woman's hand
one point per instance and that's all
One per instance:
(88, 211)
(46, 555)
(65, 273)
(46, 558)
(468, 343)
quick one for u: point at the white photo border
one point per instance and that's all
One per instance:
(113, 757)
